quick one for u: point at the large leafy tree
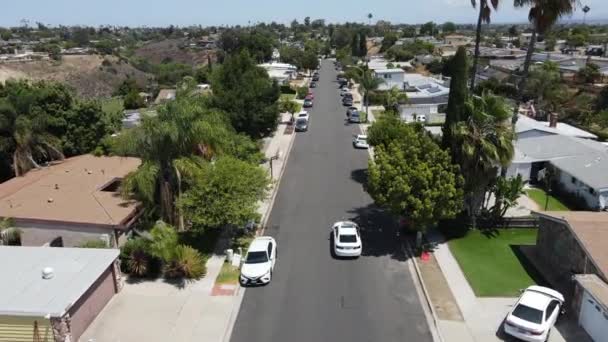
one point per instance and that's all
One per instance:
(484, 16)
(545, 87)
(173, 146)
(411, 175)
(247, 94)
(485, 143)
(458, 68)
(230, 190)
(542, 15)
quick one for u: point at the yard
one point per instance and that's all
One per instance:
(539, 196)
(493, 263)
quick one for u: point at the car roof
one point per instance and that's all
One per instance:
(260, 244)
(347, 231)
(535, 299)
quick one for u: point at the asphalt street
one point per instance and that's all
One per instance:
(314, 297)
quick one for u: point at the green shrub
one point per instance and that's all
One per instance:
(302, 92)
(164, 241)
(136, 259)
(93, 244)
(376, 98)
(285, 89)
(188, 263)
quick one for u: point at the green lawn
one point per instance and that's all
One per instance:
(491, 265)
(538, 196)
(228, 274)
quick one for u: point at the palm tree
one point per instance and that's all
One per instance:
(543, 14)
(486, 143)
(367, 81)
(393, 98)
(172, 146)
(484, 17)
(9, 235)
(24, 136)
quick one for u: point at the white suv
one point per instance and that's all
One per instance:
(259, 261)
(346, 239)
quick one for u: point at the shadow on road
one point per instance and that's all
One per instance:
(359, 176)
(379, 232)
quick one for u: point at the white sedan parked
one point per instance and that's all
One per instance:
(259, 261)
(346, 239)
(534, 314)
(360, 141)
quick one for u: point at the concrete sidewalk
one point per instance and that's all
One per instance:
(160, 311)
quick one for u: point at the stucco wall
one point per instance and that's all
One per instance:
(579, 188)
(559, 249)
(38, 234)
(524, 169)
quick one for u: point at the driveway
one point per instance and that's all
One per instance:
(314, 297)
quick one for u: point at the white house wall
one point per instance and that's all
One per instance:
(523, 169)
(578, 188)
(407, 111)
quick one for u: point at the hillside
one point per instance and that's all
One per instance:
(172, 49)
(88, 75)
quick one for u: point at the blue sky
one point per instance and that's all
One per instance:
(231, 12)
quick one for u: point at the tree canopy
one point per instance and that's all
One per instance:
(411, 175)
(246, 93)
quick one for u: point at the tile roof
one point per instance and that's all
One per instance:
(70, 191)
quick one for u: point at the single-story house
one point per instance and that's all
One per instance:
(281, 72)
(572, 246)
(71, 202)
(426, 96)
(54, 293)
(580, 165)
(527, 127)
(165, 95)
(391, 78)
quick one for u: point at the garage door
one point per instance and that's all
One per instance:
(594, 319)
(23, 329)
(91, 303)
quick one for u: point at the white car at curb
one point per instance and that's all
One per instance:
(259, 262)
(534, 314)
(361, 141)
(346, 239)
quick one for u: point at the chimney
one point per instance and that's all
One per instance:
(553, 120)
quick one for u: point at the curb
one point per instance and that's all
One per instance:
(436, 332)
(240, 292)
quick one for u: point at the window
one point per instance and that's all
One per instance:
(270, 249)
(573, 180)
(550, 308)
(387, 76)
(348, 238)
(528, 314)
(257, 257)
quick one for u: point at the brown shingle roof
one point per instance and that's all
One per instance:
(591, 230)
(78, 197)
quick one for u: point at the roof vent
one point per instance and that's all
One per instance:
(47, 273)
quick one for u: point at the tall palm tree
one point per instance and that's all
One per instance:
(543, 14)
(486, 143)
(24, 136)
(367, 82)
(393, 98)
(172, 146)
(485, 12)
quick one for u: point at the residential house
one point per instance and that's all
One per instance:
(379, 63)
(54, 293)
(571, 247)
(580, 163)
(71, 202)
(427, 96)
(391, 78)
(281, 72)
(165, 95)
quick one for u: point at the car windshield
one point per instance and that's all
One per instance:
(528, 314)
(348, 238)
(256, 258)
(301, 122)
(362, 140)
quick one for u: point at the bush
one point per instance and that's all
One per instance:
(136, 260)
(285, 89)
(188, 263)
(302, 92)
(93, 244)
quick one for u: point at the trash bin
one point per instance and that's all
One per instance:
(229, 255)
